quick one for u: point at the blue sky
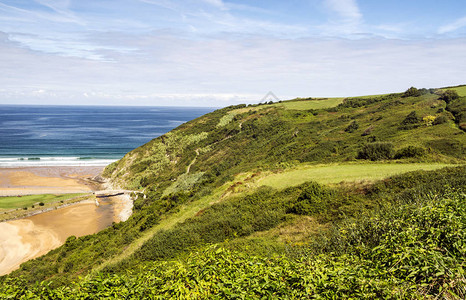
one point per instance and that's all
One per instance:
(221, 52)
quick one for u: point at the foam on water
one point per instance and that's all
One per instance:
(81, 135)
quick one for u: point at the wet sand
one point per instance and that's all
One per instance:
(46, 180)
(31, 237)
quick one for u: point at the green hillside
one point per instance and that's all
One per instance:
(328, 198)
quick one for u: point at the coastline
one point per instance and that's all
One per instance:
(36, 232)
(47, 180)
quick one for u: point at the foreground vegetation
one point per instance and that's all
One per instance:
(235, 207)
(411, 246)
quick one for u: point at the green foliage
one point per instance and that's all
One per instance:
(17, 202)
(449, 147)
(412, 92)
(312, 200)
(404, 251)
(184, 182)
(364, 101)
(110, 169)
(258, 138)
(458, 109)
(411, 118)
(368, 131)
(352, 127)
(376, 151)
(440, 120)
(449, 95)
(410, 151)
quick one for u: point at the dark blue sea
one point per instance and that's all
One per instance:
(82, 135)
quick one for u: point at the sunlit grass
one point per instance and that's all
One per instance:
(29, 200)
(311, 104)
(327, 174)
(461, 90)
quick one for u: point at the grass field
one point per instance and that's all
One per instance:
(311, 104)
(461, 90)
(337, 173)
(26, 201)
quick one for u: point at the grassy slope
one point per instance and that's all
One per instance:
(307, 105)
(412, 247)
(461, 90)
(326, 174)
(227, 151)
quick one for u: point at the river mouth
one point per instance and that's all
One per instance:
(31, 237)
(34, 236)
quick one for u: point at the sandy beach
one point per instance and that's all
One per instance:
(31, 237)
(47, 180)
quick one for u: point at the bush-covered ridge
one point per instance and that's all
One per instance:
(411, 249)
(207, 167)
(237, 139)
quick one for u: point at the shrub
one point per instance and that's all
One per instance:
(376, 151)
(449, 95)
(352, 127)
(368, 131)
(440, 120)
(428, 120)
(448, 147)
(410, 151)
(411, 121)
(411, 118)
(412, 92)
(312, 200)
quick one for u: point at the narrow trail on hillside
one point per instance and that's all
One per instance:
(185, 212)
(193, 161)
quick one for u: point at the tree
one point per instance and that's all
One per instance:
(412, 92)
(449, 95)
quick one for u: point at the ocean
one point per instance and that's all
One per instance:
(82, 135)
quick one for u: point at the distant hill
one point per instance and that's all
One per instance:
(279, 200)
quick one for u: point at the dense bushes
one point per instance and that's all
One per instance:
(313, 199)
(376, 151)
(449, 95)
(458, 109)
(360, 102)
(411, 121)
(352, 127)
(412, 92)
(407, 250)
(410, 151)
(440, 120)
(448, 147)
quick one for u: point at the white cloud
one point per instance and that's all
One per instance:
(345, 18)
(460, 23)
(346, 9)
(219, 71)
(213, 54)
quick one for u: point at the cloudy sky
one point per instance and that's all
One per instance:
(221, 52)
